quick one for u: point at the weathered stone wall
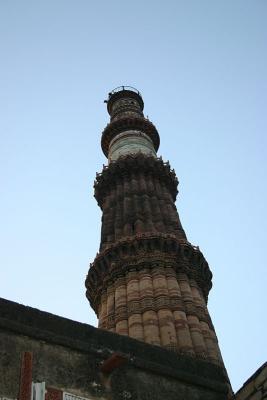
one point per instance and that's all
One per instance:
(71, 356)
(255, 388)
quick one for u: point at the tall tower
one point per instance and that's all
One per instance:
(147, 281)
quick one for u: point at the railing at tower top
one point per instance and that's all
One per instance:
(121, 88)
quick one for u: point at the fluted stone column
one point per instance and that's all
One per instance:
(147, 281)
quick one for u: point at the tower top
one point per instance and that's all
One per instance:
(121, 92)
(128, 131)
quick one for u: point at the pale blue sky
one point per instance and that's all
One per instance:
(201, 68)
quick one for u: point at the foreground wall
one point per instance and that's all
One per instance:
(255, 388)
(95, 364)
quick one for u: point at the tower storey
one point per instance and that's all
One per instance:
(147, 281)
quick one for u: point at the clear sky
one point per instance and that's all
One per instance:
(201, 68)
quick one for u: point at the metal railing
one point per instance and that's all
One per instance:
(121, 88)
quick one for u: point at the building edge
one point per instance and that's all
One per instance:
(159, 372)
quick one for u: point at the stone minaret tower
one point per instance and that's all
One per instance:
(147, 281)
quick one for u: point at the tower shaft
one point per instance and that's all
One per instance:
(147, 281)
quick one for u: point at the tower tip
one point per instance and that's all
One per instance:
(122, 92)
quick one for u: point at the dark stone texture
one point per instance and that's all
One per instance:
(138, 385)
(67, 355)
(141, 251)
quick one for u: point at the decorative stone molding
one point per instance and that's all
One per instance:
(134, 165)
(125, 124)
(146, 251)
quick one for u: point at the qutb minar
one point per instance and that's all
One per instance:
(148, 285)
(147, 281)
